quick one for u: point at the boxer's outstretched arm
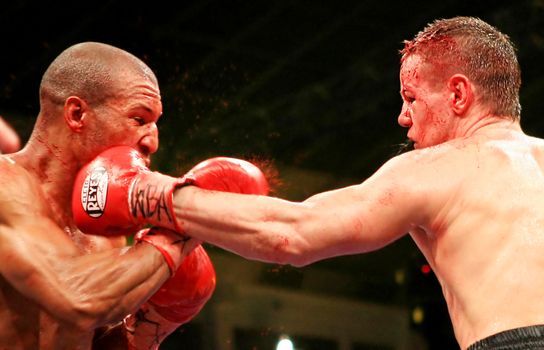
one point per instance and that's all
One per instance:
(351, 220)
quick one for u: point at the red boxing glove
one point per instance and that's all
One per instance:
(228, 175)
(116, 194)
(183, 296)
(178, 301)
(173, 246)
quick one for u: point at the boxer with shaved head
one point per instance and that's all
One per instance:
(65, 288)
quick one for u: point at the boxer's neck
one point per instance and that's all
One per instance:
(52, 163)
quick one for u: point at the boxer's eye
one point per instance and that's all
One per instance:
(408, 97)
(139, 120)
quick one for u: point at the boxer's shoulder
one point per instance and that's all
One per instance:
(21, 191)
(14, 176)
(8, 163)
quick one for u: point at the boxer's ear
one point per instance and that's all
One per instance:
(75, 110)
(461, 93)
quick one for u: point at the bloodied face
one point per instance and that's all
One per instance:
(426, 98)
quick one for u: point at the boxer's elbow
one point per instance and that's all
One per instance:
(89, 313)
(289, 242)
(301, 252)
(85, 316)
(293, 249)
(282, 250)
(71, 311)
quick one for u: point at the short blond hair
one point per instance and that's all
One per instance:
(470, 46)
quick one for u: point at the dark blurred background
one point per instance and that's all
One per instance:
(310, 85)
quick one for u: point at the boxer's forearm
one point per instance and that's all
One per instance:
(350, 220)
(118, 282)
(90, 290)
(255, 227)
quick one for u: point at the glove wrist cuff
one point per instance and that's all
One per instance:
(171, 245)
(151, 200)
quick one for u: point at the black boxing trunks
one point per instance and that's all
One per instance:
(531, 337)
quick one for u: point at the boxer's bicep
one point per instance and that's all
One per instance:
(352, 220)
(389, 203)
(384, 212)
(25, 264)
(363, 217)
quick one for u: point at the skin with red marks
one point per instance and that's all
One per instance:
(282, 244)
(470, 195)
(424, 109)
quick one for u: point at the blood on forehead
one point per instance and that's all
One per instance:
(409, 72)
(416, 70)
(440, 53)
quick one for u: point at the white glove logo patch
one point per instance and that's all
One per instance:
(94, 191)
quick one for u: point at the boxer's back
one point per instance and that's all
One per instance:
(485, 234)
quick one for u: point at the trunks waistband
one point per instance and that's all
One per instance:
(531, 337)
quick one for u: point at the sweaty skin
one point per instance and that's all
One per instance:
(470, 195)
(58, 285)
